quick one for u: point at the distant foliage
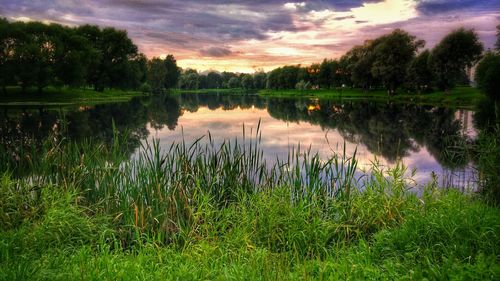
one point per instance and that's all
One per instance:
(457, 51)
(419, 75)
(487, 75)
(37, 55)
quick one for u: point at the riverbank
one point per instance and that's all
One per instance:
(212, 91)
(220, 212)
(64, 96)
(460, 97)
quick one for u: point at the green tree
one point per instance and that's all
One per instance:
(457, 51)
(73, 57)
(247, 82)
(156, 74)
(392, 55)
(234, 82)
(7, 52)
(189, 80)
(497, 44)
(419, 75)
(327, 76)
(226, 76)
(173, 72)
(362, 61)
(114, 53)
(214, 80)
(487, 75)
(259, 80)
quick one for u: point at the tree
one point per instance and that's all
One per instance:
(497, 44)
(189, 80)
(233, 83)
(214, 80)
(259, 80)
(113, 52)
(419, 75)
(361, 63)
(156, 74)
(7, 48)
(138, 72)
(458, 50)
(73, 57)
(327, 76)
(487, 75)
(392, 55)
(247, 82)
(226, 76)
(173, 72)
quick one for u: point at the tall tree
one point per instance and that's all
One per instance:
(73, 57)
(392, 55)
(7, 52)
(497, 44)
(214, 80)
(259, 80)
(173, 72)
(114, 51)
(457, 51)
(487, 75)
(247, 82)
(156, 74)
(419, 75)
(234, 83)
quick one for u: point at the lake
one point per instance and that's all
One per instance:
(421, 137)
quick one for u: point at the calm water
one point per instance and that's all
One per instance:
(416, 135)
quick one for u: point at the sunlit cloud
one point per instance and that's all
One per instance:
(256, 34)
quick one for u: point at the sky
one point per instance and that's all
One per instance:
(251, 35)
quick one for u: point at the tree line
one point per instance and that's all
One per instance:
(392, 61)
(34, 54)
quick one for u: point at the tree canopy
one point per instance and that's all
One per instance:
(450, 58)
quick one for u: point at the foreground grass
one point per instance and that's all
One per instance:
(65, 96)
(443, 236)
(206, 211)
(460, 97)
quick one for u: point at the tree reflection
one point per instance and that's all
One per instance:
(387, 129)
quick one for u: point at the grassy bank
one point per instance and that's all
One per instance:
(461, 97)
(206, 211)
(64, 96)
(213, 91)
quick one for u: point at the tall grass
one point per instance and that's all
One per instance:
(207, 210)
(157, 192)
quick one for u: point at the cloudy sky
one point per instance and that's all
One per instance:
(246, 35)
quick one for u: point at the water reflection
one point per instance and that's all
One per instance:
(418, 135)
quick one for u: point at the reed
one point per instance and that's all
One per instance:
(204, 209)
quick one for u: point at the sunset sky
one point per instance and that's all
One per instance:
(247, 35)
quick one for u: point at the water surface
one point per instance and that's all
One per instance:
(418, 136)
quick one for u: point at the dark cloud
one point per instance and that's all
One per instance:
(343, 18)
(216, 52)
(194, 28)
(338, 5)
(430, 7)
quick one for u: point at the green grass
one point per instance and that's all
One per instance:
(220, 212)
(460, 97)
(64, 96)
(213, 91)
